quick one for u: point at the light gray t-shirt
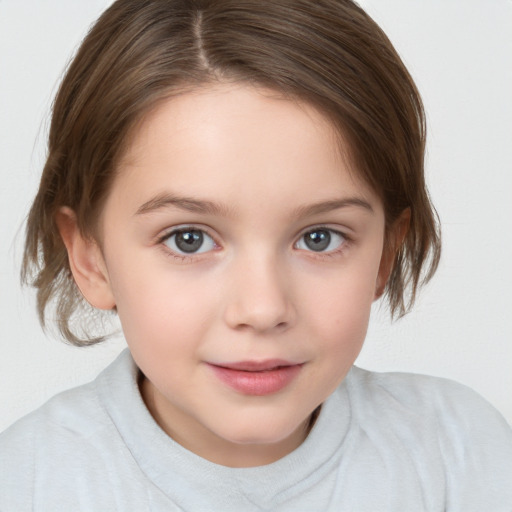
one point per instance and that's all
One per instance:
(383, 442)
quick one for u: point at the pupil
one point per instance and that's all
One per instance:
(189, 241)
(318, 240)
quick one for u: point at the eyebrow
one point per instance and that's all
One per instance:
(333, 204)
(206, 207)
(184, 203)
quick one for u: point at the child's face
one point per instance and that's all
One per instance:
(235, 240)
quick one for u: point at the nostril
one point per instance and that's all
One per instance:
(281, 326)
(262, 309)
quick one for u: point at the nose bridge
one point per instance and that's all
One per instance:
(259, 296)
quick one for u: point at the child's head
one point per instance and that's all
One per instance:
(327, 56)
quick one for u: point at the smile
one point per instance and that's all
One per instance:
(257, 378)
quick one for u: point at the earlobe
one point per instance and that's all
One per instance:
(392, 245)
(86, 261)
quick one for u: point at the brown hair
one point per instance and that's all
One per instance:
(329, 53)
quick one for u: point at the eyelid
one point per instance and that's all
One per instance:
(169, 232)
(346, 239)
(341, 230)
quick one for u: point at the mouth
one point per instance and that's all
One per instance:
(257, 366)
(257, 378)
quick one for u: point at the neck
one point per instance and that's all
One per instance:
(199, 440)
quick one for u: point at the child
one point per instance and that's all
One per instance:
(239, 181)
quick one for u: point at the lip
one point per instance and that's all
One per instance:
(257, 378)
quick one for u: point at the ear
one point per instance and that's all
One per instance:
(395, 238)
(86, 261)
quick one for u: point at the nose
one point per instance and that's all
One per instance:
(259, 296)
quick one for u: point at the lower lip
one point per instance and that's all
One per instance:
(257, 383)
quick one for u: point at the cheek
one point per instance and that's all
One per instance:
(337, 308)
(158, 307)
(165, 323)
(341, 323)
(336, 318)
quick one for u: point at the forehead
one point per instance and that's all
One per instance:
(238, 141)
(207, 111)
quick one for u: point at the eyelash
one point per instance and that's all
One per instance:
(194, 256)
(183, 229)
(344, 243)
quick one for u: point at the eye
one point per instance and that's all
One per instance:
(320, 240)
(189, 241)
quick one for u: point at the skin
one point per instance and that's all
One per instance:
(253, 169)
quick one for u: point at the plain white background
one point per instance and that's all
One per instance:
(458, 51)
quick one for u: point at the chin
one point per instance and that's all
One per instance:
(264, 432)
(255, 438)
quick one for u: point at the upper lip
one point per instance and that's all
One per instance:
(256, 366)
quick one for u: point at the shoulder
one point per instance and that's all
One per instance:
(450, 402)
(78, 413)
(446, 424)
(45, 441)
(70, 414)
(413, 390)
(66, 440)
